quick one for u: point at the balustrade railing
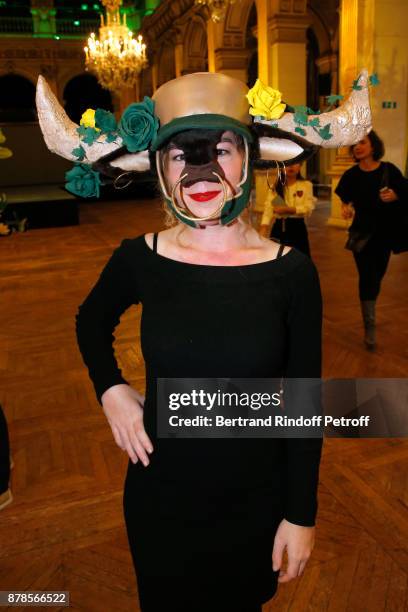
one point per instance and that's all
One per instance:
(16, 25)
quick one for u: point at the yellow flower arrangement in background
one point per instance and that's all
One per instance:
(265, 101)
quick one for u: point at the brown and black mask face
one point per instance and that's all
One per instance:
(200, 155)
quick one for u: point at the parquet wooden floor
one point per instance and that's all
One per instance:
(65, 531)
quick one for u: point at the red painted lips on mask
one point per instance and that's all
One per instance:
(203, 196)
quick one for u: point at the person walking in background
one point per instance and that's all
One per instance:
(5, 492)
(288, 205)
(369, 191)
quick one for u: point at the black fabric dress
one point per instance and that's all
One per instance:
(201, 518)
(292, 231)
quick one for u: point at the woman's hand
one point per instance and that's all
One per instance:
(347, 211)
(264, 231)
(298, 542)
(123, 407)
(388, 195)
(284, 210)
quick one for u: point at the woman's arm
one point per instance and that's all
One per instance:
(304, 362)
(345, 190)
(267, 215)
(115, 290)
(296, 531)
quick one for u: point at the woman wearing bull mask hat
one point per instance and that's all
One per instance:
(208, 520)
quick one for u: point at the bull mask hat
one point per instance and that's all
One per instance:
(203, 100)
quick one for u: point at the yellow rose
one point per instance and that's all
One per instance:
(2, 137)
(88, 118)
(265, 101)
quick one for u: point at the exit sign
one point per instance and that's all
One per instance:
(388, 104)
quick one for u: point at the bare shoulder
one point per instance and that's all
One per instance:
(271, 248)
(164, 236)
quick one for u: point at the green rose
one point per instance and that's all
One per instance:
(138, 125)
(83, 181)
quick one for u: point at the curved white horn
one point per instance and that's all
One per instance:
(348, 124)
(59, 131)
(278, 149)
(133, 162)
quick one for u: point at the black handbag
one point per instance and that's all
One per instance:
(356, 241)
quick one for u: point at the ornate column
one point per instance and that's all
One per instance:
(284, 66)
(43, 13)
(327, 64)
(231, 62)
(226, 45)
(211, 45)
(356, 51)
(262, 34)
(178, 54)
(287, 26)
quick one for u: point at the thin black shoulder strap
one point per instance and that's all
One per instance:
(280, 251)
(155, 236)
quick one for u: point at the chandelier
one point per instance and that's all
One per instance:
(217, 8)
(116, 58)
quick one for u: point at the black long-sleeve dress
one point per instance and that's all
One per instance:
(201, 518)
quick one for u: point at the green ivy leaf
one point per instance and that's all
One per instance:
(333, 98)
(325, 132)
(79, 153)
(301, 118)
(314, 122)
(356, 86)
(111, 137)
(90, 135)
(373, 79)
(300, 131)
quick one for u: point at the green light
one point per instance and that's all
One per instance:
(96, 7)
(77, 23)
(84, 7)
(57, 37)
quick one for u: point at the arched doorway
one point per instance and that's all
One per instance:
(82, 92)
(17, 99)
(195, 47)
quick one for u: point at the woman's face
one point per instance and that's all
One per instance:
(363, 149)
(204, 197)
(293, 170)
